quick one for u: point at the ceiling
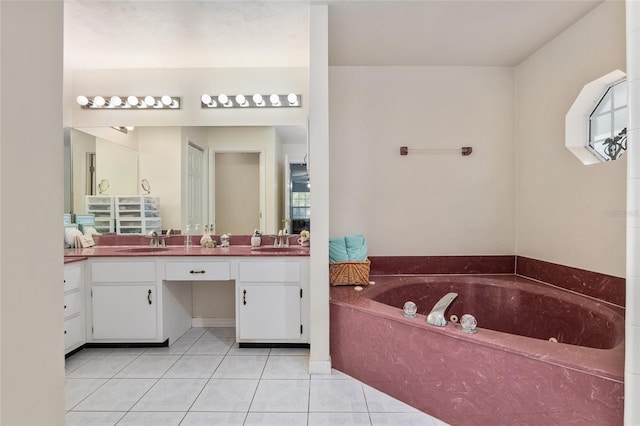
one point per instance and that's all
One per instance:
(274, 33)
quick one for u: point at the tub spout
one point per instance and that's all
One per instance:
(436, 316)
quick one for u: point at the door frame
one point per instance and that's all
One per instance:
(262, 172)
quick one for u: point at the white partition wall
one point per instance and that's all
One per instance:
(632, 356)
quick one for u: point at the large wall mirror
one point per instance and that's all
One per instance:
(271, 160)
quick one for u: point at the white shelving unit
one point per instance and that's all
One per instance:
(101, 206)
(137, 214)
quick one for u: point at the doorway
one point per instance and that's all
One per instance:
(237, 192)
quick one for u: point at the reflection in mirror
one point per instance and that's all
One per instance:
(100, 166)
(300, 198)
(159, 155)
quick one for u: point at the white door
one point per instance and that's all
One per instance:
(195, 176)
(269, 312)
(124, 311)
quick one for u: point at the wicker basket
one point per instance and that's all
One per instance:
(349, 273)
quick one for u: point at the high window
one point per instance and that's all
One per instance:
(608, 123)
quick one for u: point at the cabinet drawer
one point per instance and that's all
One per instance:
(72, 276)
(72, 304)
(198, 271)
(73, 332)
(121, 272)
(269, 271)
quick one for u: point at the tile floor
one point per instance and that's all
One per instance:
(205, 379)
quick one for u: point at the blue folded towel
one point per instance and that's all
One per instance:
(338, 250)
(356, 248)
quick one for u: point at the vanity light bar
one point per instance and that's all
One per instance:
(129, 102)
(257, 100)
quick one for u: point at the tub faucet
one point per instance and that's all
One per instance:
(153, 239)
(436, 316)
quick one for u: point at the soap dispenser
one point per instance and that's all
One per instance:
(256, 241)
(205, 240)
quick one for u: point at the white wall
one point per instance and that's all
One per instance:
(31, 195)
(423, 203)
(119, 166)
(569, 213)
(160, 163)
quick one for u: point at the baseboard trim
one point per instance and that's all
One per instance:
(213, 322)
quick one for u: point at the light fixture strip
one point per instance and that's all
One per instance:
(129, 102)
(257, 100)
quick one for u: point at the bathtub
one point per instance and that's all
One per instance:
(542, 355)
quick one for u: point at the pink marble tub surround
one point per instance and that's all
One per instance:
(388, 265)
(601, 286)
(487, 378)
(74, 259)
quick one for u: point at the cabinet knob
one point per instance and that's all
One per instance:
(65, 332)
(244, 297)
(149, 296)
(65, 306)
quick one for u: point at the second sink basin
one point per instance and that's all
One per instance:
(288, 250)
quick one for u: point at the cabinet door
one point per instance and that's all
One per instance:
(269, 312)
(124, 312)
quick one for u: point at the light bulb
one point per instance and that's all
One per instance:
(99, 101)
(293, 99)
(205, 99)
(130, 128)
(82, 100)
(150, 100)
(223, 98)
(133, 100)
(115, 101)
(241, 100)
(166, 100)
(274, 99)
(257, 99)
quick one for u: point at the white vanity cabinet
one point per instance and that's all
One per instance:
(125, 298)
(74, 335)
(272, 300)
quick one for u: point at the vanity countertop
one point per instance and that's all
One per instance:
(140, 251)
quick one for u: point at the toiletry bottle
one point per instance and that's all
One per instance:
(187, 237)
(206, 237)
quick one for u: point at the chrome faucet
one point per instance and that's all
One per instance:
(436, 316)
(155, 240)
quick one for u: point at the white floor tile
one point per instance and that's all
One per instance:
(179, 347)
(76, 360)
(379, 402)
(335, 375)
(404, 419)
(211, 346)
(110, 418)
(102, 367)
(241, 367)
(290, 351)
(286, 367)
(116, 395)
(195, 332)
(208, 419)
(337, 396)
(171, 395)
(339, 419)
(221, 332)
(277, 419)
(141, 418)
(194, 367)
(148, 366)
(226, 395)
(78, 389)
(281, 396)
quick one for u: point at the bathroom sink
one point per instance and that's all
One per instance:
(287, 250)
(143, 249)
